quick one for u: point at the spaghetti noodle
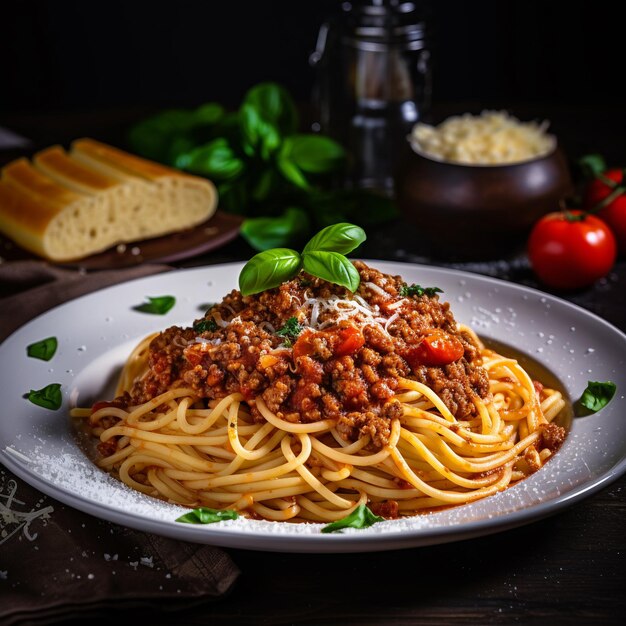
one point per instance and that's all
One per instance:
(353, 409)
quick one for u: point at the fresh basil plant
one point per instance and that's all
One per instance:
(284, 182)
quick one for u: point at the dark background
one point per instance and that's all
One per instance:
(77, 55)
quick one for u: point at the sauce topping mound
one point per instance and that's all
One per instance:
(313, 350)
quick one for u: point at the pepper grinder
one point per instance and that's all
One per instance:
(372, 84)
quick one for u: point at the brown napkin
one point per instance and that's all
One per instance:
(56, 562)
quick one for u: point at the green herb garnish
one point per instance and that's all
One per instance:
(361, 517)
(48, 397)
(418, 290)
(323, 256)
(283, 181)
(158, 305)
(290, 330)
(204, 515)
(43, 349)
(206, 325)
(597, 395)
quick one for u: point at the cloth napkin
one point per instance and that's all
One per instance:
(56, 562)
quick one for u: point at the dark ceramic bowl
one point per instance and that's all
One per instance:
(478, 211)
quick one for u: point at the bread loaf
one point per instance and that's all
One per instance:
(66, 205)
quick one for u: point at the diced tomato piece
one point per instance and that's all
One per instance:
(435, 349)
(304, 344)
(350, 340)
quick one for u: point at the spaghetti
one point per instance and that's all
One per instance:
(352, 410)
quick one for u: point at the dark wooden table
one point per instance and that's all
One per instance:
(566, 569)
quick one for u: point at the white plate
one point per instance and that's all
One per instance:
(97, 331)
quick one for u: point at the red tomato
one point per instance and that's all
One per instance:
(566, 253)
(614, 214)
(350, 340)
(435, 349)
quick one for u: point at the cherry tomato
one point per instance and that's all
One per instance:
(614, 214)
(435, 349)
(571, 250)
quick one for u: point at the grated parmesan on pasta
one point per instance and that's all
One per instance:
(493, 137)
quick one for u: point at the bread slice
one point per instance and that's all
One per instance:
(66, 205)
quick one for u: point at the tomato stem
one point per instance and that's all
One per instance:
(568, 215)
(618, 189)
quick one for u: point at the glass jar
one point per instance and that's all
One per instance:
(373, 83)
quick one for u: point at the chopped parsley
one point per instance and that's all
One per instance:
(290, 330)
(418, 290)
(206, 325)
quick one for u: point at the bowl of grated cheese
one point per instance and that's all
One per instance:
(475, 184)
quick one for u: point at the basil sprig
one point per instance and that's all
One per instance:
(158, 305)
(361, 517)
(323, 256)
(597, 395)
(43, 349)
(204, 515)
(49, 397)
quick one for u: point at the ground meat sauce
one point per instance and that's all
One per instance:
(343, 364)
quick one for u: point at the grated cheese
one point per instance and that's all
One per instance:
(355, 309)
(379, 290)
(493, 137)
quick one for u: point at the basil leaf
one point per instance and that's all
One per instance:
(233, 196)
(267, 114)
(48, 397)
(258, 136)
(153, 136)
(592, 165)
(268, 269)
(361, 517)
(331, 266)
(158, 305)
(178, 148)
(206, 325)
(267, 182)
(204, 515)
(263, 233)
(165, 136)
(341, 238)
(292, 172)
(208, 114)
(43, 349)
(216, 160)
(316, 154)
(597, 395)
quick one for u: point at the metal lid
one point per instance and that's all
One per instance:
(383, 22)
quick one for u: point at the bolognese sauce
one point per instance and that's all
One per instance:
(342, 361)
